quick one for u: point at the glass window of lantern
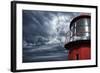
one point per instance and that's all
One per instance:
(83, 22)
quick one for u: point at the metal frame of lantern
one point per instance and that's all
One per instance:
(78, 34)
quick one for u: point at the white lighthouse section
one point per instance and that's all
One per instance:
(54, 64)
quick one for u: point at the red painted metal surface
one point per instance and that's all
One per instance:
(80, 53)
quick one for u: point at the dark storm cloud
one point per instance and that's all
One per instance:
(34, 24)
(38, 23)
(44, 35)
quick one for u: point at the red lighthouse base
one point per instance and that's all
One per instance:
(79, 53)
(79, 50)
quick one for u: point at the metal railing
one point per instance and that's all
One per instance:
(73, 37)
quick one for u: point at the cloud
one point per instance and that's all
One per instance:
(44, 33)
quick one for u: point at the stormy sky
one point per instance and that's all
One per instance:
(44, 35)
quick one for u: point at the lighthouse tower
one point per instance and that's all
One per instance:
(78, 38)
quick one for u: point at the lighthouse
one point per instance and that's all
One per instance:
(78, 38)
